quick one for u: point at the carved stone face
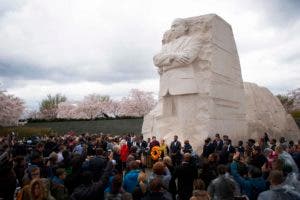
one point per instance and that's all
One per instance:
(167, 37)
(178, 28)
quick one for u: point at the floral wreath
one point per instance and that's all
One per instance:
(155, 152)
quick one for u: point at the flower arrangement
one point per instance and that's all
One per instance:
(155, 153)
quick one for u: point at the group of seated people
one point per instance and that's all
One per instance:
(98, 166)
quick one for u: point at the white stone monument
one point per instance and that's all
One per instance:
(265, 113)
(201, 87)
(202, 91)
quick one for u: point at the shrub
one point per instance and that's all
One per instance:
(23, 131)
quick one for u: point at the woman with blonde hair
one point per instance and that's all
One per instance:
(141, 189)
(142, 179)
(200, 195)
(37, 191)
(168, 162)
(164, 149)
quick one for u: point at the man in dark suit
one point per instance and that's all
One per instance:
(143, 144)
(208, 148)
(175, 149)
(218, 143)
(227, 150)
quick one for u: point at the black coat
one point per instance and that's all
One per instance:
(224, 155)
(218, 146)
(209, 172)
(95, 190)
(8, 183)
(208, 149)
(73, 181)
(175, 149)
(172, 183)
(187, 148)
(185, 174)
(96, 166)
(143, 144)
(258, 160)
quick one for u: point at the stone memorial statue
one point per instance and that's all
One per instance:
(201, 87)
(175, 66)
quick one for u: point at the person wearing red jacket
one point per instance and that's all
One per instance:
(124, 152)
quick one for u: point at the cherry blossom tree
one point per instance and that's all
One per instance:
(113, 108)
(94, 105)
(11, 109)
(71, 110)
(66, 110)
(138, 103)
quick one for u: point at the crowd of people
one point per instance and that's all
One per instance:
(90, 167)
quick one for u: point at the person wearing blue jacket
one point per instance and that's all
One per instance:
(251, 186)
(131, 178)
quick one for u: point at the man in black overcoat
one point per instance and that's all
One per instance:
(175, 151)
(185, 174)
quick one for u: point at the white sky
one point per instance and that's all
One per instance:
(78, 47)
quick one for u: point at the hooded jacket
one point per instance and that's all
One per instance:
(280, 192)
(131, 180)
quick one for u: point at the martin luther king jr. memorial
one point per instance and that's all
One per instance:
(202, 90)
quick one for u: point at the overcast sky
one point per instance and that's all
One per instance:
(79, 47)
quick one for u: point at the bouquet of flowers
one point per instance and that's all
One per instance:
(155, 153)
